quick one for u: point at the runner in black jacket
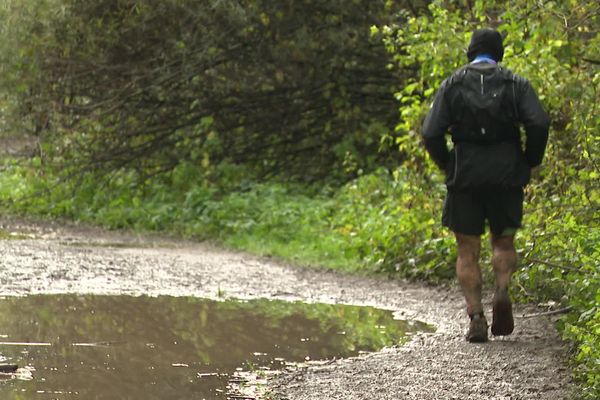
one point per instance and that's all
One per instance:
(486, 169)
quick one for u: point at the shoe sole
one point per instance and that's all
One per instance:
(502, 322)
(477, 339)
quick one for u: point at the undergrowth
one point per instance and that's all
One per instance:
(369, 224)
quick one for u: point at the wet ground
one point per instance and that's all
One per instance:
(530, 364)
(110, 347)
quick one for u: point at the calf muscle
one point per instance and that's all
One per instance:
(468, 271)
(504, 259)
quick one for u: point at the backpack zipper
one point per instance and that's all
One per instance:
(481, 83)
(455, 164)
(482, 92)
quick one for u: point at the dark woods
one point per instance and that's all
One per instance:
(289, 88)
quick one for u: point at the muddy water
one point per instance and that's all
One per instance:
(122, 347)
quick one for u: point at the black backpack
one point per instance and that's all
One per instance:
(483, 102)
(487, 148)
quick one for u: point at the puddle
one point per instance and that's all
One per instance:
(117, 245)
(122, 347)
(8, 235)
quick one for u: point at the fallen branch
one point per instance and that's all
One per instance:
(591, 61)
(8, 368)
(546, 313)
(551, 264)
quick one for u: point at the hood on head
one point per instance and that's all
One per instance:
(486, 41)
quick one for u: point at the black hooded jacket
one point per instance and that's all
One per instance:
(529, 113)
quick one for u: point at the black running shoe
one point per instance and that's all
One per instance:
(478, 329)
(502, 321)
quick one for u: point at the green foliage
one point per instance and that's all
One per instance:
(267, 219)
(392, 225)
(288, 88)
(368, 225)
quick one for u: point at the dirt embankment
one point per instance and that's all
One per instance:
(530, 364)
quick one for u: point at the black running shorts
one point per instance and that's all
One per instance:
(466, 212)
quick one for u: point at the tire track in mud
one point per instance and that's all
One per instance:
(530, 364)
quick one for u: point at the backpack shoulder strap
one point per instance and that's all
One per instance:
(458, 76)
(511, 79)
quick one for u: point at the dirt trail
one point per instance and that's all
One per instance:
(530, 364)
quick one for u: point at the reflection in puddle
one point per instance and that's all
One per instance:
(121, 347)
(117, 245)
(9, 235)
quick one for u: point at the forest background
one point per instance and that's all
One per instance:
(291, 128)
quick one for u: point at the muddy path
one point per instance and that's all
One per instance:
(530, 364)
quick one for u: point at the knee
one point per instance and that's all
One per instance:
(468, 248)
(468, 256)
(503, 246)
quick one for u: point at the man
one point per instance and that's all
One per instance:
(482, 106)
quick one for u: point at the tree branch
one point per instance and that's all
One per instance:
(546, 313)
(591, 61)
(551, 264)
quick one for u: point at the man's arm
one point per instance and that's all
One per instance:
(536, 123)
(435, 127)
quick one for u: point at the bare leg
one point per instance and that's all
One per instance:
(469, 277)
(504, 261)
(468, 271)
